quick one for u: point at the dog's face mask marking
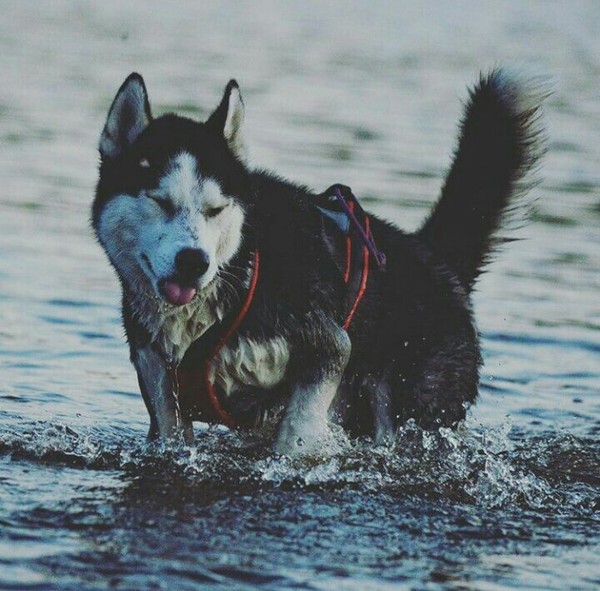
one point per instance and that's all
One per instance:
(173, 223)
(175, 236)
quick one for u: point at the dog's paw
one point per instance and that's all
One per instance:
(294, 442)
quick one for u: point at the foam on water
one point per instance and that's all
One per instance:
(486, 467)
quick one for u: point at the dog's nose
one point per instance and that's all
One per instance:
(191, 263)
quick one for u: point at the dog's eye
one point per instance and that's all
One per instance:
(163, 202)
(214, 211)
(144, 163)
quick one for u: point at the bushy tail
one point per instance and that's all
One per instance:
(500, 143)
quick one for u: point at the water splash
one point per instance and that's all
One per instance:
(492, 468)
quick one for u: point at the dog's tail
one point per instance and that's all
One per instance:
(500, 143)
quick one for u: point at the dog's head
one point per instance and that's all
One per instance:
(169, 209)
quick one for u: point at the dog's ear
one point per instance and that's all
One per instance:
(228, 118)
(127, 117)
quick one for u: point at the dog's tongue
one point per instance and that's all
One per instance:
(177, 294)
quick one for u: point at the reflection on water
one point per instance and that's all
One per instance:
(362, 93)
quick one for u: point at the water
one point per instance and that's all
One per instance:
(362, 93)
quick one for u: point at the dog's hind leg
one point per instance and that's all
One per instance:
(304, 422)
(379, 392)
(159, 389)
(446, 383)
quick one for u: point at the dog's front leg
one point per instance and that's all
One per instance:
(160, 391)
(304, 422)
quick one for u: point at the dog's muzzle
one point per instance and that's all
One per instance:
(190, 265)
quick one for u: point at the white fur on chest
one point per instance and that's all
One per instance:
(174, 329)
(261, 364)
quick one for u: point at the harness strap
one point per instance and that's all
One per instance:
(196, 383)
(354, 222)
(346, 198)
(364, 278)
(348, 250)
(211, 393)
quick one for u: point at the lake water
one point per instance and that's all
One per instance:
(364, 93)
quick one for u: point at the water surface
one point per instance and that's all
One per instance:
(363, 93)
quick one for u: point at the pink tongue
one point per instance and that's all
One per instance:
(177, 294)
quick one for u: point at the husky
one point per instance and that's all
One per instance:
(245, 299)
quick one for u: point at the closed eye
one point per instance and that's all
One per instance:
(214, 211)
(164, 202)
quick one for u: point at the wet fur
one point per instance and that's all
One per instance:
(412, 350)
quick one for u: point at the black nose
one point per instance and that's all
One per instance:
(191, 263)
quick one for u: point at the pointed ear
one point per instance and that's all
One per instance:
(228, 118)
(127, 118)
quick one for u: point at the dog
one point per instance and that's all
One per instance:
(251, 301)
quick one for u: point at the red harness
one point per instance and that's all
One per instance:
(189, 380)
(365, 270)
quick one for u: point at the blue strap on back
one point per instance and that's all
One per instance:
(338, 197)
(340, 219)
